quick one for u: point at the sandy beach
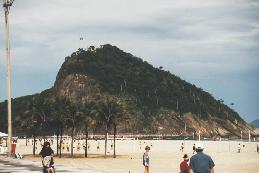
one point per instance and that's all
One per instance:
(165, 156)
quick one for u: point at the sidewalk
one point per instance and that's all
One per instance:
(8, 165)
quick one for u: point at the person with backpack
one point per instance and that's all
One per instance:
(146, 160)
(47, 154)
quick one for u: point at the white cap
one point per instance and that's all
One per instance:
(199, 146)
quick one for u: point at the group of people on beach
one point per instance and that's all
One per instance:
(79, 145)
(199, 163)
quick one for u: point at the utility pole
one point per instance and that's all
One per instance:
(7, 4)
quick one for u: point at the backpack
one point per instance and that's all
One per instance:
(46, 161)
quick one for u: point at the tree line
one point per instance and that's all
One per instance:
(58, 115)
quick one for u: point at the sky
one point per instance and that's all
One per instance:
(213, 44)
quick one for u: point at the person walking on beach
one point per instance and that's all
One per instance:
(239, 148)
(47, 154)
(67, 145)
(193, 149)
(146, 160)
(78, 146)
(98, 146)
(182, 147)
(257, 148)
(184, 167)
(200, 162)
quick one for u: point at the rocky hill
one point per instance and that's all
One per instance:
(155, 100)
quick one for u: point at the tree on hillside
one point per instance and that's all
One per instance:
(86, 110)
(72, 120)
(117, 116)
(107, 109)
(42, 110)
(61, 111)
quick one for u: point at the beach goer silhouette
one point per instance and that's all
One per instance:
(193, 149)
(184, 167)
(98, 146)
(182, 147)
(67, 145)
(146, 160)
(200, 162)
(78, 146)
(47, 154)
(239, 148)
(111, 146)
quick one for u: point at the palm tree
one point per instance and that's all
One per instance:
(72, 119)
(107, 109)
(60, 113)
(87, 119)
(117, 116)
(43, 113)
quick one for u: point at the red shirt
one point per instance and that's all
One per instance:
(184, 166)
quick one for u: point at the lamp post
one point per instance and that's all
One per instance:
(7, 4)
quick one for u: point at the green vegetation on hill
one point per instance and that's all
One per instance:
(121, 73)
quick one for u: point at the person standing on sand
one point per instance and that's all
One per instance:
(182, 147)
(257, 148)
(193, 149)
(239, 148)
(98, 146)
(67, 146)
(200, 162)
(146, 160)
(184, 167)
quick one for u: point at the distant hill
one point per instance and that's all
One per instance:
(255, 123)
(154, 100)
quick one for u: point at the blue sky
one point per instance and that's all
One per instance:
(213, 44)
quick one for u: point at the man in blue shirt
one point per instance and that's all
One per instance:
(200, 162)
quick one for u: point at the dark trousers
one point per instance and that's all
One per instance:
(45, 169)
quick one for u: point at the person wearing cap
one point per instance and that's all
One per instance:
(200, 162)
(146, 160)
(184, 167)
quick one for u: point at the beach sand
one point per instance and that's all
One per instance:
(165, 156)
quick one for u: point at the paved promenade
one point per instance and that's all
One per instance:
(23, 166)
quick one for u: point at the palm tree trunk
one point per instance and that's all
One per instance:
(57, 143)
(72, 143)
(86, 138)
(34, 144)
(60, 142)
(114, 139)
(106, 136)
